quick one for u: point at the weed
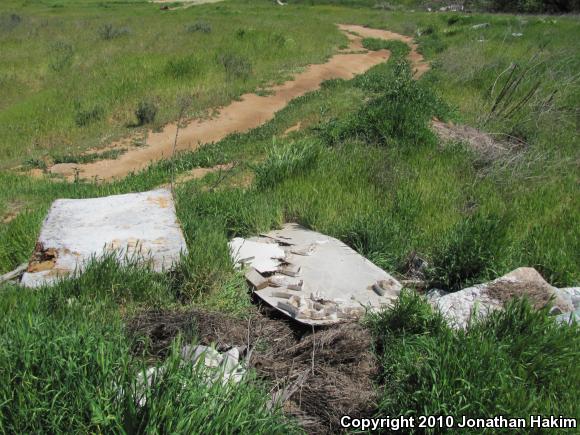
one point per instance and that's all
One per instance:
(199, 26)
(399, 115)
(286, 161)
(88, 157)
(278, 39)
(146, 112)
(236, 67)
(88, 380)
(34, 163)
(427, 30)
(109, 31)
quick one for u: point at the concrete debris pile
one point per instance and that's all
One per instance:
(311, 277)
(213, 365)
(133, 227)
(480, 300)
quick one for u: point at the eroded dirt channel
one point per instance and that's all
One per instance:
(250, 111)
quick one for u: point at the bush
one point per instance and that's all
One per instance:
(235, 66)
(86, 116)
(62, 54)
(531, 6)
(108, 31)
(146, 112)
(9, 22)
(182, 67)
(398, 116)
(199, 26)
(515, 363)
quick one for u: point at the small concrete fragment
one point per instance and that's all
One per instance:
(133, 227)
(225, 367)
(262, 256)
(16, 273)
(257, 280)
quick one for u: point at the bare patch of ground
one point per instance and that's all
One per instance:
(13, 210)
(198, 173)
(322, 374)
(250, 111)
(295, 127)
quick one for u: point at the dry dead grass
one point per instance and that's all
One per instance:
(320, 374)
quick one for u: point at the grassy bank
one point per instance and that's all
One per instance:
(75, 72)
(365, 167)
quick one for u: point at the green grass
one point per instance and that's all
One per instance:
(516, 363)
(397, 48)
(364, 168)
(87, 382)
(72, 76)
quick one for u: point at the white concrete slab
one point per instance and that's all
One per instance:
(140, 226)
(330, 270)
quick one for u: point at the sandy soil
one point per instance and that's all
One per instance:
(250, 111)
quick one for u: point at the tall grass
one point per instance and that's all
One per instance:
(516, 363)
(67, 366)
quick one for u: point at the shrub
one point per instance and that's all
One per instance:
(62, 54)
(531, 6)
(235, 66)
(86, 116)
(516, 362)
(399, 114)
(182, 67)
(9, 21)
(199, 26)
(108, 31)
(146, 112)
(34, 163)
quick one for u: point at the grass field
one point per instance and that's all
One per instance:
(365, 167)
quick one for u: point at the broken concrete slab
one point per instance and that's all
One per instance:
(318, 280)
(134, 227)
(461, 307)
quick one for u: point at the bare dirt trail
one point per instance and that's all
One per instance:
(250, 111)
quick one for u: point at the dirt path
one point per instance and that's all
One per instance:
(250, 111)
